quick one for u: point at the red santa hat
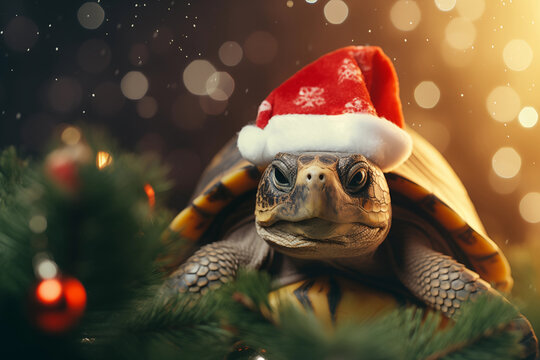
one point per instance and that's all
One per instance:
(346, 101)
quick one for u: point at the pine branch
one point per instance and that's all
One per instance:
(209, 327)
(480, 331)
(105, 234)
(172, 326)
(404, 333)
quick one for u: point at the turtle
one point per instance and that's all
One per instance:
(336, 230)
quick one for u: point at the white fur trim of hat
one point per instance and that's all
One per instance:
(378, 139)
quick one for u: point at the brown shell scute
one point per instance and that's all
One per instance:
(427, 180)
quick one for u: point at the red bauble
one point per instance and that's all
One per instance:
(58, 304)
(62, 165)
(62, 169)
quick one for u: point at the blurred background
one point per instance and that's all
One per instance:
(179, 78)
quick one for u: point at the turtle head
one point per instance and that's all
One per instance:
(322, 205)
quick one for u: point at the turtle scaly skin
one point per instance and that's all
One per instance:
(207, 269)
(218, 263)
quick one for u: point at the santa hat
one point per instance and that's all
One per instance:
(346, 101)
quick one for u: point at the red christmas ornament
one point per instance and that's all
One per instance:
(58, 304)
(62, 169)
(62, 165)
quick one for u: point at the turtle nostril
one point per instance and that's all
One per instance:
(321, 177)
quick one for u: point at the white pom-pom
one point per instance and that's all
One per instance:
(252, 143)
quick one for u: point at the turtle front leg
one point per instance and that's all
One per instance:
(439, 280)
(444, 284)
(217, 263)
(209, 268)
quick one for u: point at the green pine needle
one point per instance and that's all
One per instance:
(240, 313)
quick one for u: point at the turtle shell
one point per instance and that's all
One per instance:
(426, 181)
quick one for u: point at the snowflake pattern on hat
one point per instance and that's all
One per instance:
(310, 96)
(363, 58)
(358, 105)
(349, 71)
(265, 106)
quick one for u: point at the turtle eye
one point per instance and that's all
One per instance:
(357, 178)
(281, 178)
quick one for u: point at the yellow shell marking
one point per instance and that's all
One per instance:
(335, 300)
(429, 181)
(195, 219)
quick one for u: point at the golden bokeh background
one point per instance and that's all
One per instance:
(179, 78)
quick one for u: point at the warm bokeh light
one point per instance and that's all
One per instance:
(220, 86)
(427, 94)
(506, 162)
(503, 104)
(528, 117)
(91, 15)
(529, 207)
(134, 85)
(290, 3)
(196, 75)
(336, 11)
(49, 291)
(405, 15)
(103, 160)
(517, 55)
(471, 9)
(445, 5)
(46, 269)
(230, 53)
(151, 194)
(71, 135)
(38, 224)
(460, 33)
